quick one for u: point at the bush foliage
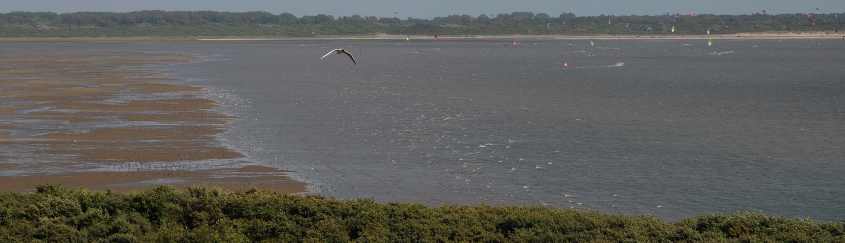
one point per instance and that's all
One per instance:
(164, 214)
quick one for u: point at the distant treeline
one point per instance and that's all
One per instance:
(211, 23)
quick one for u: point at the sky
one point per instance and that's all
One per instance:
(432, 8)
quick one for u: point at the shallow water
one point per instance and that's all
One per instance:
(669, 128)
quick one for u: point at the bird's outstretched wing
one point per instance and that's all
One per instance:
(350, 56)
(328, 54)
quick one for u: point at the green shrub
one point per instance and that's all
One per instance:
(56, 214)
(52, 230)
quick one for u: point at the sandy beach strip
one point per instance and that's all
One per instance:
(6, 111)
(738, 36)
(75, 114)
(733, 36)
(238, 179)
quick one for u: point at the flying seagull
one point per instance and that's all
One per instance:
(339, 52)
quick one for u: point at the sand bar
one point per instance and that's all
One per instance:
(79, 113)
(248, 177)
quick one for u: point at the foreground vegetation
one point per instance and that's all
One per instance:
(56, 214)
(210, 23)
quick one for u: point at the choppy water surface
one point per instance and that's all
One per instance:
(670, 128)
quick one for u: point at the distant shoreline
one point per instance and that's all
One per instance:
(737, 36)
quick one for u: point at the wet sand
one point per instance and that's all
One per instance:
(245, 178)
(4, 132)
(73, 117)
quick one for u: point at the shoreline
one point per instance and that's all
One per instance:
(736, 36)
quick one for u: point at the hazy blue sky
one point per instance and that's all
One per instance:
(429, 8)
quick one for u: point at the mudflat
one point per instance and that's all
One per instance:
(93, 119)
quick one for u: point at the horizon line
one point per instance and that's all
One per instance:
(689, 14)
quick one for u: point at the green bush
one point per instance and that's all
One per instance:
(55, 214)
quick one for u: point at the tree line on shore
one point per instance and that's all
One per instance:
(212, 23)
